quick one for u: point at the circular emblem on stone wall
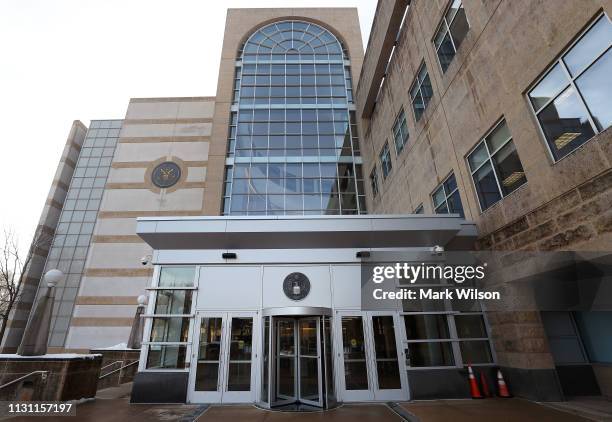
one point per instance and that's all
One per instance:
(296, 286)
(166, 174)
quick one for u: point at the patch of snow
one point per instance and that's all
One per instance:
(50, 356)
(120, 346)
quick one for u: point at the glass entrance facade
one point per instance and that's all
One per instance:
(297, 370)
(293, 147)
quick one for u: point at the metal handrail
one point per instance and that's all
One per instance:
(43, 374)
(119, 369)
(111, 364)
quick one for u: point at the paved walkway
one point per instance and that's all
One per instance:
(346, 413)
(596, 408)
(499, 410)
(112, 405)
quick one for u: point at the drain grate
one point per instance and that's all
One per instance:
(401, 412)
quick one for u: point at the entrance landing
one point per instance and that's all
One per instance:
(506, 410)
(346, 413)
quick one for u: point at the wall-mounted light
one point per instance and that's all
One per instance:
(229, 255)
(363, 254)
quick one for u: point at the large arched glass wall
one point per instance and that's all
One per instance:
(293, 146)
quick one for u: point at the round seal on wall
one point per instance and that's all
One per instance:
(296, 286)
(166, 174)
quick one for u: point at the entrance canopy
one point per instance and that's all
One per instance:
(301, 232)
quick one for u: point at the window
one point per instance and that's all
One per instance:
(446, 338)
(421, 92)
(446, 199)
(452, 31)
(76, 221)
(400, 131)
(473, 339)
(419, 210)
(168, 337)
(374, 182)
(429, 342)
(293, 92)
(495, 166)
(385, 160)
(572, 102)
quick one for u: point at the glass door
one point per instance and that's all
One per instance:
(309, 361)
(370, 359)
(240, 370)
(286, 361)
(205, 374)
(354, 371)
(222, 363)
(390, 382)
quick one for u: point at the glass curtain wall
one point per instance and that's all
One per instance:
(293, 147)
(77, 220)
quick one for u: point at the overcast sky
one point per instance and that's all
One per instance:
(65, 60)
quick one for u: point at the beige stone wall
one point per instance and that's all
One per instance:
(43, 235)
(154, 130)
(510, 43)
(239, 25)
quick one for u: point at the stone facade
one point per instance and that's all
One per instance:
(68, 377)
(154, 130)
(563, 206)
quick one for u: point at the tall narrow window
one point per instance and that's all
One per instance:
(419, 209)
(385, 160)
(172, 295)
(495, 166)
(573, 101)
(446, 199)
(450, 35)
(421, 92)
(374, 182)
(400, 131)
(293, 141)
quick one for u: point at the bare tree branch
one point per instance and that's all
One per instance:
(14, 270)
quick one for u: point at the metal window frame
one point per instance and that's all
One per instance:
(374, 182)
(446, 195)
(453, 338)
(570, 83)
(418, 84)
(445, 25)
(489, 159)
(385, 158)
(400, 119)
(150, 315)
(347, 104)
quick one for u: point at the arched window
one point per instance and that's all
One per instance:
(293, 41)
(293, 146)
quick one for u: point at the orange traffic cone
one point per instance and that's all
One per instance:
(501, 386)
(485, 384)
(474, 390)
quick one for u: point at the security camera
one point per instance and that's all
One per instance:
(437, 250)
(145, 260)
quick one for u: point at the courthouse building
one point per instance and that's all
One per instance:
(245, 217)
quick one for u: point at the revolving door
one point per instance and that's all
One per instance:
(297, 369)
